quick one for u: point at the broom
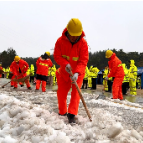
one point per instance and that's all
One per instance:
(18, 80)
(9, 82)
(21, 79)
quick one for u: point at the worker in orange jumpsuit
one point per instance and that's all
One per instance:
(19, 68)
(43, 63)
(116, 71)
(1, 69)
(71, 53)
(12, 76)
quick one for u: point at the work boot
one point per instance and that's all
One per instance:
(15, 88)
(71, 118)
(11, 85)
(63, 115)
(21, 85)
(29, 88)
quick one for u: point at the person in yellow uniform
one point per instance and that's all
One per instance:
(125, 84)
(85, 80)
(105, 73)
(90, 77)
(53, 74)
(32, 73)
(7, 72)
(139, 81)
(132, 78)
(50, 78)
(95, 71)
(3, 75)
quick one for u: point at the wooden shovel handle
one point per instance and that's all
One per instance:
(81, 97)
(5, 84)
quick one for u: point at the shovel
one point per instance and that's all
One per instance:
(81, 97)
(11, 80)
(102, 96)
(21, 79)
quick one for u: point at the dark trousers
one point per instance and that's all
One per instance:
(109, 85)
(94, 83)
(84, 83)
(3, 75)
(125, 87)
(31, 78)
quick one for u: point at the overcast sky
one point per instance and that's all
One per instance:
(32, 28)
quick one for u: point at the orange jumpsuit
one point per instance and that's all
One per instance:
(77, 56)
(19, 70)
(42, 72)
(1, 69)
(116, 71)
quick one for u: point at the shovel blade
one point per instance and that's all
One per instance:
(101, 96)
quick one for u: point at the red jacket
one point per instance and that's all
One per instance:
(23, 65)
(76, 55)
(115, 66)
(43, 66)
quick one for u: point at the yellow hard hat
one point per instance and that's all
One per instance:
(108, 53)
(48, 53)
(74, 27)
(16, 58)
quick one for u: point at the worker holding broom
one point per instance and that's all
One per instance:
(12, 77)
(71, 53)
(43, 63)
(19, 68)
(116, 71)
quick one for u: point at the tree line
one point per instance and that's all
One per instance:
(96, 59)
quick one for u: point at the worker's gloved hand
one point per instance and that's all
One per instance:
(75, 77)
(68, 68)
(106, 78)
